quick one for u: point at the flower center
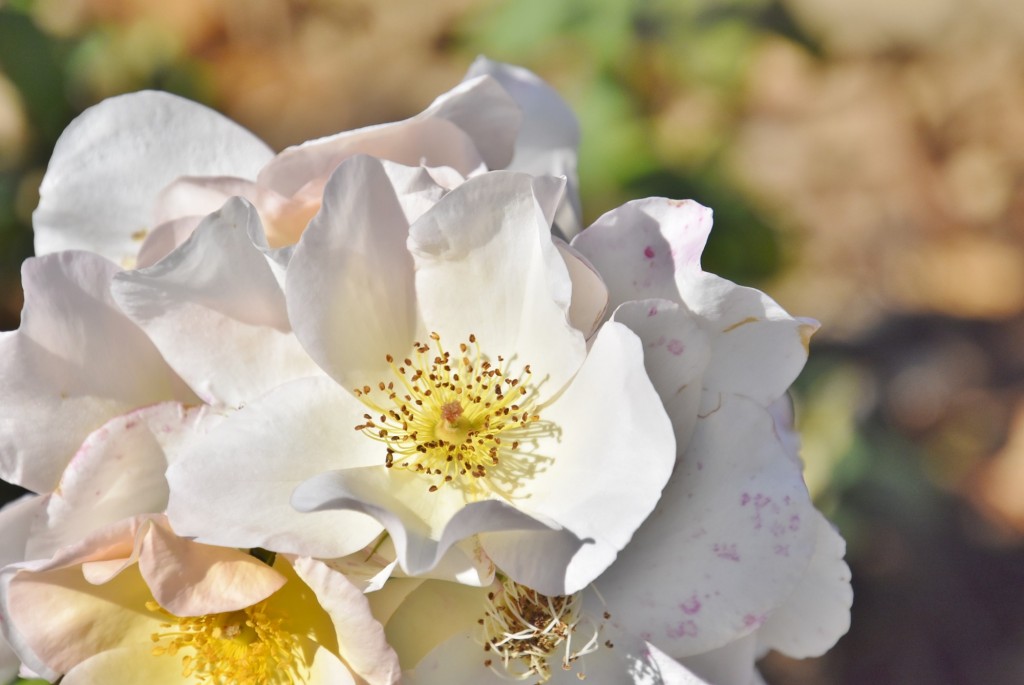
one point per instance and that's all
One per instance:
(245, 646)
(458, 419)
(524, 629)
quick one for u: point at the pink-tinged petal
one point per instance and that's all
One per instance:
(726, 545)
(62, 619)
(129, 665)
(219, 288)
(117, 473)
(676, 355)
(474, 124)
(199, 196)
(486, 265)
(399, 499)
(757, 348)
(732, 664)
(76, 362)
(233, 488)
(549, 136)
(589, 293)
(111, 163)
(191, 579)
(818, 612)
(361, 640)
(350, 280)
(617, 441)
(164, 239)
(639, 247)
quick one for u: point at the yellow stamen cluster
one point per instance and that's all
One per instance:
(523, 629)
(246, 646)
(458, 419)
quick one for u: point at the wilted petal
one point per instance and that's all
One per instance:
(76, 362)
(110, 164)
(234, 487)
(220, 288)
(727, 544)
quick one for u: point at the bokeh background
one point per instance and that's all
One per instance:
(865, 161)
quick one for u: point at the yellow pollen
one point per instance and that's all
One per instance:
(460, 419)
(246, 646)
(523, 629)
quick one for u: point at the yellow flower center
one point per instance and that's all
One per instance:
(523, 629)
(245, 646)
(460, 420)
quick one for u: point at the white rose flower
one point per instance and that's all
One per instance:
(463, 400)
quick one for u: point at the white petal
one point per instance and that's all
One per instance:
(589, 293)
(233, 487)
(164, 239)
(199, 196)
(473, 124)
(16, 519)
(628, 661)
(350, 279)
(127, 666)
(549, 136)
(361, 639)
(639, 247)
(818, 612)
(400, 501)
(676, 355)
(117, 473)
(486, 265)
(76, 362)
(613, 458)
(732, 664)
(757, 348)
(727, 544)
(216, 312)
(110, 164)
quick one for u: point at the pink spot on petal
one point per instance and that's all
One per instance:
(750, 620)
(691, 606)
(653, 311)
(649, 252)
(682, 629)
(744, 499)
(723, 551)
(675, 346)
(794, 522)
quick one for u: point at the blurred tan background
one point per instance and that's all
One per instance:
(865, 161)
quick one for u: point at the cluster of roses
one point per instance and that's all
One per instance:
(358, 413)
